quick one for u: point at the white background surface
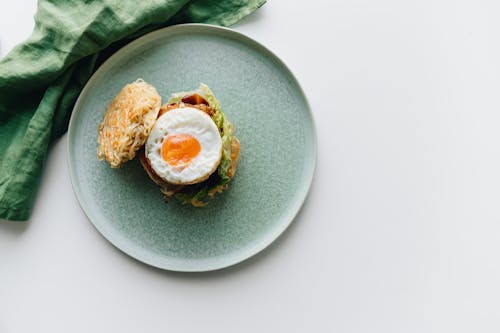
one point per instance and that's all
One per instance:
(401, 230)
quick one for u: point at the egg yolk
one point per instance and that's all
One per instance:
(180, 149)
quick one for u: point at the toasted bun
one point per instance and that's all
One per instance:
(235, 154)
(127, 122)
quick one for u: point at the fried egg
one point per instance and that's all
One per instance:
(184, 146)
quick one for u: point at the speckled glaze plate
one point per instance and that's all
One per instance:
(278, 151)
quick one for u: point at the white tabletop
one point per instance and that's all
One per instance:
(400, 232)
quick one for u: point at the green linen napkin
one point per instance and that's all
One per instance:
(40, 79)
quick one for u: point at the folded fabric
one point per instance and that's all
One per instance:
(41, 79)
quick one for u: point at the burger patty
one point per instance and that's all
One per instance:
(193, 101)
(168, 189)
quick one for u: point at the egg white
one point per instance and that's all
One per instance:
(185, 120)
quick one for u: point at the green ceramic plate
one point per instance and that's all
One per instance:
(278, 151)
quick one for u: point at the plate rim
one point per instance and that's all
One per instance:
(296, 203)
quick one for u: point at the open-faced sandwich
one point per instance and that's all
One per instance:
(188, 149)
